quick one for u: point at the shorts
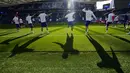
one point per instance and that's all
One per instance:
(124, 22)
(17, 25)
(108, 23)
(31, 25)
(43, 24)
(71, 23)
(87, 23)
(21, 24)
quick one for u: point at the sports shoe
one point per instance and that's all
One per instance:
(32, 31)
(106, 31)
(86, 33)
(48, 32)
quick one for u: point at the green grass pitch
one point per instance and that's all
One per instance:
(59, 52)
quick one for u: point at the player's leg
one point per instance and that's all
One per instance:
(114, 24)
(46, 25)
(17, 27)
(72, 26)
(42, 24)
(31, 26)
(69, 25)
(107, 26)
(124, 24)
(87, 24)
(129, 31)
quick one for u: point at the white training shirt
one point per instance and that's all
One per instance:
(89, 15)
(20, 21)
(16, 20)
(82, 18)
(42, 17)
(50, 19)
(116, 18)
(110, 17)
(29, 19)
(70, 17)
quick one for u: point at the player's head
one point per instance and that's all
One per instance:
(69, 11)
(28, 14)
(87, 8)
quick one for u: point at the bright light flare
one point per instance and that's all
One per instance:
(70, 4)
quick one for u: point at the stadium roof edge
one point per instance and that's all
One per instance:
(5, 3)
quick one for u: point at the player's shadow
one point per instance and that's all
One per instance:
(123, 39)
(68, 47)
(7, 33)
(23, 48)
(119, 29)
(107, 60)
(8, 40)
(89, 30)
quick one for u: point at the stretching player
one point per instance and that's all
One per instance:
(43, 21)
(29, 20)
(109, 20)
(89, 15)
(16, 21)
(70, 19)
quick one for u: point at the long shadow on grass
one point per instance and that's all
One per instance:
(107, 61)
(123, 39)
(119, 29)
(89, 30)
(7, 33)
(8, 40)
(23, 48)
(68, 47)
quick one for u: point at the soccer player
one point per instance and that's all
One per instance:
(109, 20)
(16, 21)
(70, 19)
(125, 21)
(43, 21)
(29, 20)
(89, 18)
(21, 22)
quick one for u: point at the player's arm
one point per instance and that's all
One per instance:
(66, 16)
(74, 16)
(12, 21)
(49, 14)
(94, 16)
(84, 10)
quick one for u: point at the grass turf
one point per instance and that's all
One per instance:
(22, 52)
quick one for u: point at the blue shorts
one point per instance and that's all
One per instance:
(71, 23)
(31, 25)
(87, 23)
(17, 25)
(44, 24)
